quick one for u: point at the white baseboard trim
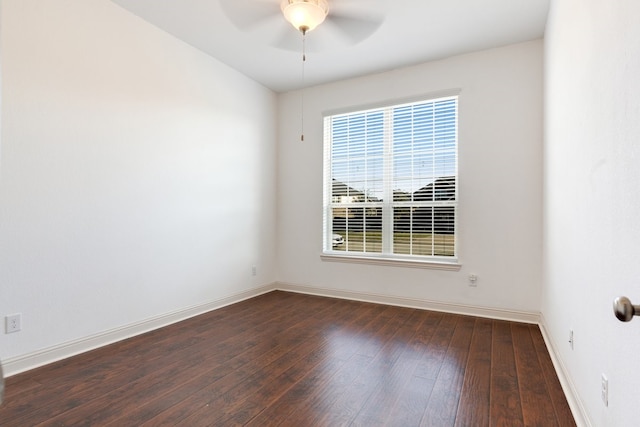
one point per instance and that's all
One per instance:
(469, 310)
(13, 366)
(568, 386)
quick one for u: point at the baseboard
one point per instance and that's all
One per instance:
(569, 388)
(469, 310)
(13, 366)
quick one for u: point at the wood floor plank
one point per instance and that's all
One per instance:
(344, 410)
(475, 396)
(402, 363)
(244, 401)
(443, 405)
(290, 359)
(257, 368)
(431, 362)
(409, 407)
(537, 409)
(302, 406)
(505, 407)
(18, 386)
(325, 394)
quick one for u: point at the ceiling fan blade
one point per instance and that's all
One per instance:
(288, 39)
(354, 29)
(248, 14)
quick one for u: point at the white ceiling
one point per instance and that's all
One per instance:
(410, 32)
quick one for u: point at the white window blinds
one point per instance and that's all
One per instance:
(390, 186)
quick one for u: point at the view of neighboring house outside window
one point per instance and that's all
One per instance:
(390, 181)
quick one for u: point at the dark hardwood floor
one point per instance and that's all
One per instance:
(298, 360)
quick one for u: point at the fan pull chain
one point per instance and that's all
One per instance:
(304, 59)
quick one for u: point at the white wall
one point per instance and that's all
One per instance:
(500, 155)
(592, 202)
(137, 174)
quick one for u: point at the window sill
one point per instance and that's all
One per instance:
(393, 262)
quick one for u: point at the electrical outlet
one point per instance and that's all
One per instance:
(254, 270)
(571, 338)
(473, 279)
(13, 323)
(604, 391)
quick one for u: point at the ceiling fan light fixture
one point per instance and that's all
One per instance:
(305, 15)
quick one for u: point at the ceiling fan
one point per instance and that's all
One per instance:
(343, 22)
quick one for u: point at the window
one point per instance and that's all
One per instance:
(390, 181)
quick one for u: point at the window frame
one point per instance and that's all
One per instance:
(386, 257)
